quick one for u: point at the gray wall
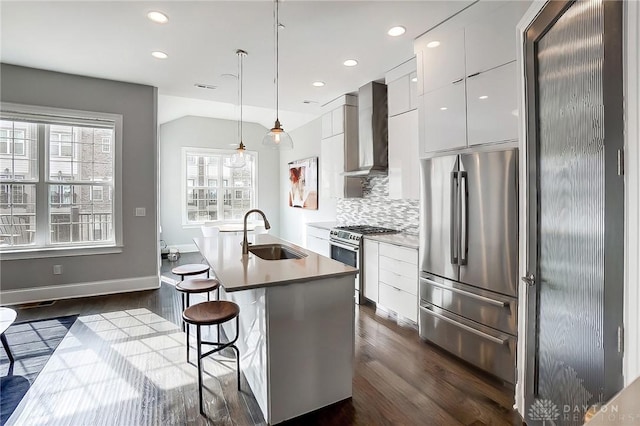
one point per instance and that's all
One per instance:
(215, 133)
(306, 143)
(137, 104)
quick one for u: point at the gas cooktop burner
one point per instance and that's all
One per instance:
(366, 229)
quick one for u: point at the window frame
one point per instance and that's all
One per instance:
(62, 116)
(186, 152)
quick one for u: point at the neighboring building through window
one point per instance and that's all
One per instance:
(214, 191)
(56, 179)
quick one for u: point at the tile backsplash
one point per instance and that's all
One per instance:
(376, 208)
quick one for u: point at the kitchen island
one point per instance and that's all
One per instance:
(296, 336)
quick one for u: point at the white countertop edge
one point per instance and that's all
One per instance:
(301, 280)
(404, 240)
(322, 225)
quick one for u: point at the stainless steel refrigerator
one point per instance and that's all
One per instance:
(469, 257)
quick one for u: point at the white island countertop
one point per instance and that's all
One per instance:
(236, 271)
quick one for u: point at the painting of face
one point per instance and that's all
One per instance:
(303, 183)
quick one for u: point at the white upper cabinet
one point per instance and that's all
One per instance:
(469, 79)
(399, 96)
(404, 166)
(338, 152)
(333, 122)
(492, 97)
(443, 119)
(442, 58)
(491, 42)
(402, 101)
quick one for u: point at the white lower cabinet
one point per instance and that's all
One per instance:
(370, 270)
(396, 271)
(318, 240)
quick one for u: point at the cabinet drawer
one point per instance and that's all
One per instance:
(318, 232)
(318, 245)
(491, 309)
(410, 285)
(401, 302)
(403, 254)
(486, 348)
(404, 269)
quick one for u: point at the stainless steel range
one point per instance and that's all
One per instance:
(346, 246)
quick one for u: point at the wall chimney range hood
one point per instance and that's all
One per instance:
(373, 144)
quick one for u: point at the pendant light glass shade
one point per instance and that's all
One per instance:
(238, 159)
(277, 138)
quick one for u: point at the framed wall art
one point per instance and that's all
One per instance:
(303, 183)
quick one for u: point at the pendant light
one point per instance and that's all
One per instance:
(238, 159)
(277, 138)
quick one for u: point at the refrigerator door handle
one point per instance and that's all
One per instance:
(453, 229)
(464, 218)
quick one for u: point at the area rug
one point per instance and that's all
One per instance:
(32, 344)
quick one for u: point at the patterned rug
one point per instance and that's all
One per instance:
(32, 344)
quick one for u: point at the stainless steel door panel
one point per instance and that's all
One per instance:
(437, 229)
(484, 347)
(490, 309)
(489, 221)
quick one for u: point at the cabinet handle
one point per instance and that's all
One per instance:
(473, 75)
(484, 299)
(465, 327)
(457, 81)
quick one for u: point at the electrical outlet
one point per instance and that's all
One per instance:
(141, 211)
(57, 269)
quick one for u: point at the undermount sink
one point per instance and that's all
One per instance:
(275, 252)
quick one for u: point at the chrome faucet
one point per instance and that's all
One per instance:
(245, 243)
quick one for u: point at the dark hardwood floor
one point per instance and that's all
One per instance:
(398, 380)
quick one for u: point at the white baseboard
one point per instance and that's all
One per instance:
(69, 291)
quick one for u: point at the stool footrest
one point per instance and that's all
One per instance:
(219, 347)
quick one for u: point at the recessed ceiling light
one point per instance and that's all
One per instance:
(318, 83)
(159, 55)
(396, 31)
(158, 17)
(443, 108)
(414, 79)
(433, 44)
(483, 97)
(350, 63)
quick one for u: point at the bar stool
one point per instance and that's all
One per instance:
(190, 269)
(212, 313)
(186, 271)
(196, 285)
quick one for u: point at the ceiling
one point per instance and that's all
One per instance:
(114, 40)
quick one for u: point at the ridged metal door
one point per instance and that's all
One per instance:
(575, 321)
(571, 221)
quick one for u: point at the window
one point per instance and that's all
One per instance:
(12, 141)
(106, 145)
(206, 180)
(56, 180)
